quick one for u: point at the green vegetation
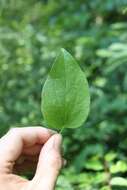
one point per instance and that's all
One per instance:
(65, 95)
(95, 33)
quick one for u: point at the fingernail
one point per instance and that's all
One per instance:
(51, 142)
(57, 142)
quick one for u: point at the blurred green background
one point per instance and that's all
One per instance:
(95, 33)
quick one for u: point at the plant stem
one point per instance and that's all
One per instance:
(61, 130)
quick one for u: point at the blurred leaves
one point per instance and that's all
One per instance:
(119, 181)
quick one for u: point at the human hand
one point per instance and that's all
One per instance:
(24, 148)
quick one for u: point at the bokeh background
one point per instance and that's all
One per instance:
(95, 33)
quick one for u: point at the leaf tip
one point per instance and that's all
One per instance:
(63, 50)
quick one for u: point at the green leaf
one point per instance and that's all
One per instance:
(120, 181)
(94, 164)
(105, 188)
(120, 166)
(63, 183)
(65, 95)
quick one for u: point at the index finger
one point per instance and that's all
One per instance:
(12, 144)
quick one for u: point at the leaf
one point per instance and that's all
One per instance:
(120, 166)
(63, 183)
(65, 95)
(105, 188)
(119, 181)
(94, 164)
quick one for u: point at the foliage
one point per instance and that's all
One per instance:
(95, 32)
(65, 95)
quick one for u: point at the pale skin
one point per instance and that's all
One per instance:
(23, 149)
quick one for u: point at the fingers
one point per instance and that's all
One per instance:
(17, 139)
(33, 150)
(49, 165)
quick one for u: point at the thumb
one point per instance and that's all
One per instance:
(49, 164)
